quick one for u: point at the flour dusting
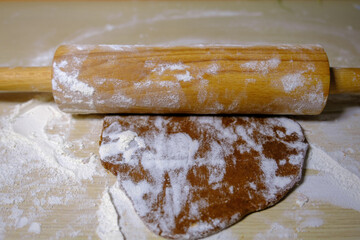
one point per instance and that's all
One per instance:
(35, 228)
(262, 66)
(108, 226)
(334, 183)
(45, 163)
(161, 68)
(292, 81)
(186, 77)
(71, 79)
(67, 83)
(36, 49)
(277, 231)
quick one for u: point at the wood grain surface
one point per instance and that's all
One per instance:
(30, 33)
(260, 79)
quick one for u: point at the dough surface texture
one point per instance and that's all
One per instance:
(192, 176)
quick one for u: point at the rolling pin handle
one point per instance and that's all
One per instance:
(25, 79)
(344, 80)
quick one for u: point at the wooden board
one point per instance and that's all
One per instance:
(30, 33)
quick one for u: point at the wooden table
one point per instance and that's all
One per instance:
(30, 32)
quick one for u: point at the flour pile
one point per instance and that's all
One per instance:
(39, 168)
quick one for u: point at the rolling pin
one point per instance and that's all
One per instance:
(266, 79)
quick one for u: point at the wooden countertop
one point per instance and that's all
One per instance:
(30, 33)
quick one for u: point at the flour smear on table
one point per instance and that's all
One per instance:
(39, 172)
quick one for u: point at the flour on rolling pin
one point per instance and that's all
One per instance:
(199, 79)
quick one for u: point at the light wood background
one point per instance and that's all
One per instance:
(30, 33)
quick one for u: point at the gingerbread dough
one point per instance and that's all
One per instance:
(189, 177)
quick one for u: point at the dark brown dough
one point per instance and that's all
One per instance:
(189, 177)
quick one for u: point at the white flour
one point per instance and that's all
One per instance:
(291, 224)
(66, 81)
(22, 154)
(35, 227)
(71, 79)
(304, 220)
(39, 168)
(262, 66)
(108, 226)
(292, 81)
(333, 184)
(276, 231)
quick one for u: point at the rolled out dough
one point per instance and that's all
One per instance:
(189, 177)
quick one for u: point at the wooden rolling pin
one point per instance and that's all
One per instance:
(282, 79)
